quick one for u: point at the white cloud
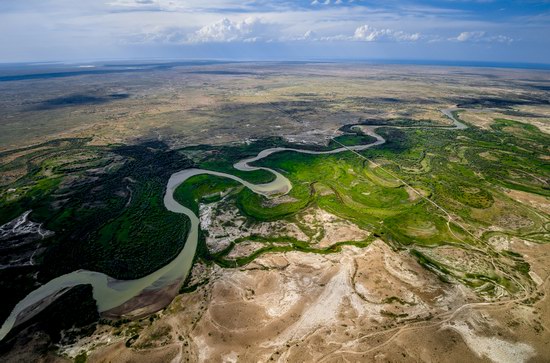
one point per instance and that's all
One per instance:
(481, 36)
(368, 33)
(65, 29)
(182, 5)
(250, 29)
(310, 34)
(257, 29)
(225, 30)
(470, 36)
(363, 33)
(501, 39)
(328, 2)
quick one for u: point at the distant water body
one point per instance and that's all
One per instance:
(449, 63)
(10, 72)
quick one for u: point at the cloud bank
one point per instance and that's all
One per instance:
(54, 29)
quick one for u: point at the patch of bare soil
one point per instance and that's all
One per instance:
(282, 199)
(467, 261)
(296, 306)
(508, 331)
(146, 303)
(539, 202)
(413, 194)
(330, 229)
(514, 221)
(224, 224)
(245, 248)
(370, 304)
(484, 118)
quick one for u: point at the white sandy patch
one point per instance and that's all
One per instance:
(362, 290)
(495, 349)
(333, 229)
(202, 348)
(397, 269)
(536, 278)
(90, 343)
(278, 305)
(325, 310)
(322, 312)
(205, 215)
(224, 224)
(230, 358)
(500, 243)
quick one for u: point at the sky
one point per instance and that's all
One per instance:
(451, 30)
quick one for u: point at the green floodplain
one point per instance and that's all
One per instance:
(105, 205)
(465, 172)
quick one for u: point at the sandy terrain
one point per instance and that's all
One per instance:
(370, 304)
(330, 229)
(306, 102)
(225, 224)
(484, 118)
(361, 304)
(537, 201)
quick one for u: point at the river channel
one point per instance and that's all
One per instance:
(110, 293)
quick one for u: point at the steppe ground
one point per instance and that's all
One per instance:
(373, 303)
(220, 104)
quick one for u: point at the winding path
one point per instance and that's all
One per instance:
(110, 293)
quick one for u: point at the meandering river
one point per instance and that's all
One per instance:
(110, 293)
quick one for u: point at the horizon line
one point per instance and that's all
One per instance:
(389, 61)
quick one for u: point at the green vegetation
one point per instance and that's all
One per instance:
(393, 299)
(277, 244)
(446, 166)
(203, 189)
(81, 358)
(389, 314)
(257, 208)
(441, 271)
(104, 204)
(222, 158)
(401, 122)
(350, 140)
